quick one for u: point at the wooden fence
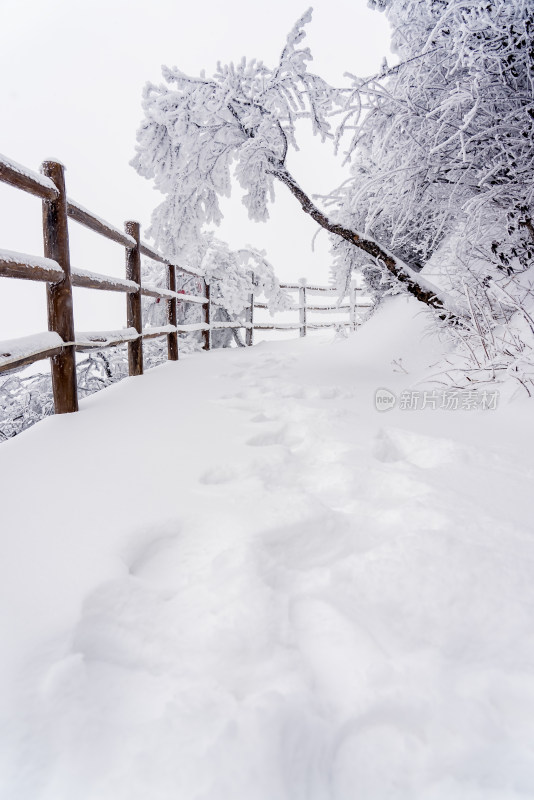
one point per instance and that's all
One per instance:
(61, 341)
(304, 289)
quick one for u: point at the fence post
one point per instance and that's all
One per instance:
(302, 307)
(207, 317)
(134, 309)
(172, 317)
(353, 304)
(59, 295)
(249, 333)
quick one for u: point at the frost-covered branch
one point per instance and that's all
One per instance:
(197, 129)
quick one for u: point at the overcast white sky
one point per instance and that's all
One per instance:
(71, 75)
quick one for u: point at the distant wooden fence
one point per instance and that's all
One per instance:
(304, 288)
(61, 341)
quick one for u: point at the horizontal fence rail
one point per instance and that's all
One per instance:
(20, 265)
(22, 178)
(303, 307)
(100, 226)
(60, 343)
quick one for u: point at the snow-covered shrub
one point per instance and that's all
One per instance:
(447, 132)
(24, 400)
(496, 338)
(441, 158)
(233, 276)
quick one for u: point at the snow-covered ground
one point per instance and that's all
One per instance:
(234, 579)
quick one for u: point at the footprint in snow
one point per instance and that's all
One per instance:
(241, 395)
(241, 401)
(340, 653)
(329, 393)
(373, 749)
(309, 545)
(426, 452)
(225, 473)
(261, 417)
(283, 436)
(293, 391)
(117, 626)
(139, 556)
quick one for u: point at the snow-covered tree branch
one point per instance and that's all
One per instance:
(197, 129)
(446, 135)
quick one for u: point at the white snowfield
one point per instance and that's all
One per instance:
(234, 579)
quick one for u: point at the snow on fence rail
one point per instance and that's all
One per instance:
(61, 342)
(27, 349)
(303, 287)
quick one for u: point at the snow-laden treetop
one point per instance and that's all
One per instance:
(195, 129)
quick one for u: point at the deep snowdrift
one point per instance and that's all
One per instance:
(234, 579)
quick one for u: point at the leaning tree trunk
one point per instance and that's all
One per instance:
(429, 296)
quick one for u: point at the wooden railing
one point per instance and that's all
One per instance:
(61, 341)
(304, 289)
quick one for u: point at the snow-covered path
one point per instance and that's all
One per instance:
(259, 588)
